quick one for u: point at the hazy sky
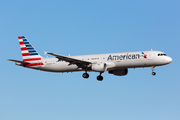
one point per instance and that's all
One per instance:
(90, 27)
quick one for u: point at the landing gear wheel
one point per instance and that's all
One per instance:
(85, 75)
(99, 78)
(153, 73)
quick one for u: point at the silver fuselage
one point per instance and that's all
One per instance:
(113, 60)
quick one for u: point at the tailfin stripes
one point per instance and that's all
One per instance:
(28, 51)
(32, 59)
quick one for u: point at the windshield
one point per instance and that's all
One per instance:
(162, 54)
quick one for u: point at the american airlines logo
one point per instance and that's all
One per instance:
(126, 57)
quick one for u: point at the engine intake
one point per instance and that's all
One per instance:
(99, 67)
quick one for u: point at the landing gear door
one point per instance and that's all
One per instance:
(150, 55)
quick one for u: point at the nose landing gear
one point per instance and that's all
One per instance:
(153, 73)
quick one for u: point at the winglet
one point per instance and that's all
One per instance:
(45, 52)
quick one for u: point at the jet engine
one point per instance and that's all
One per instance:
(99, 67)
(119, 72)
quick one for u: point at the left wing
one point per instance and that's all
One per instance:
(71, 60)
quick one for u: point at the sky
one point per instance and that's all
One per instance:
(90, 27)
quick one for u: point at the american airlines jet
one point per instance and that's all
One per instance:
(114, 63)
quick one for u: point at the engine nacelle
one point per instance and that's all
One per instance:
(119, 72)
(99, 67)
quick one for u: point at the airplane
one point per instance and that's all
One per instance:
(115, 63)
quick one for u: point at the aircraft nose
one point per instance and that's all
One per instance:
(169, 59)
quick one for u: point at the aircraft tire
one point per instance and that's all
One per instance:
(99, 78)
(85, 75)
(153, 73)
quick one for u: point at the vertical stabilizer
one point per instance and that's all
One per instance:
(28, 52)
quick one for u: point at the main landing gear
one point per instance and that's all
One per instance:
(99, 77)
(153, 73)
(86, 75)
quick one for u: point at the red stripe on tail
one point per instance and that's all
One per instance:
(25, 54)
(19, 37)
(23, 48)
(33, 64)
(21, 43)
(32, 59)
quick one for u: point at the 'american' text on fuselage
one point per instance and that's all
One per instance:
(124, 57)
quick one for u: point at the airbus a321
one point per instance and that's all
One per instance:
(115, 63)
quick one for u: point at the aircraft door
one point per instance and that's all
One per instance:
(150, 55)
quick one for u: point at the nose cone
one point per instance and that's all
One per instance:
(168, 59)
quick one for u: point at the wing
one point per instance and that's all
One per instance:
(71, 60)
(20, 62)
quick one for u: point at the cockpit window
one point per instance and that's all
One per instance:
(162, 54)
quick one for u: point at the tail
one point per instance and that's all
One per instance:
(29, 54)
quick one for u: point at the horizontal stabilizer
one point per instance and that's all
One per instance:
(17, 61)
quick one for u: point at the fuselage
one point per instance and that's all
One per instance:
(113, 61)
